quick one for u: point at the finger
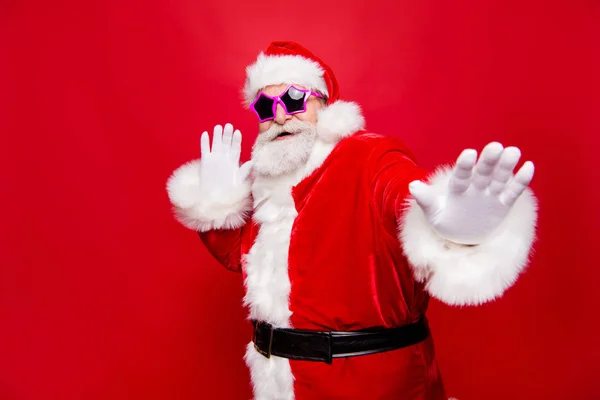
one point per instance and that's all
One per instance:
(517, 184)
(461, 175)
(204, 144)
(504, 170)
(423, 195)
(236, 146)
(244, 170)
(217, 138)
(227, 136)
(482, 175)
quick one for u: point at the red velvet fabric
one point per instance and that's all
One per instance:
(347, 270)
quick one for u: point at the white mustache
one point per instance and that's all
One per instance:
(290, 126)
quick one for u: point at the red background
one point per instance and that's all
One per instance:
(104, 296)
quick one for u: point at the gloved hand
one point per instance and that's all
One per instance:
(217, 179)
(478, 196)
(220, 167)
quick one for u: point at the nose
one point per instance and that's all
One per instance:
(280, 116)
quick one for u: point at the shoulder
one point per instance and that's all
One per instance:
(365, 146)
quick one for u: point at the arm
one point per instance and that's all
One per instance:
(394, 169)
(212, 195)
(225, 246)
(468, 232)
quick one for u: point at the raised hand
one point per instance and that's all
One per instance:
(478, 196)
(220, 166)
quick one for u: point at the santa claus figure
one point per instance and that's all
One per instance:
(342, 239)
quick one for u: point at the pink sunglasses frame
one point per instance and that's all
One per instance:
(277, 100)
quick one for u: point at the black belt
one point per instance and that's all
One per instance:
(298, 344)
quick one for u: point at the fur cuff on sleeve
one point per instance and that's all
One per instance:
(469, 275)
(203, 211)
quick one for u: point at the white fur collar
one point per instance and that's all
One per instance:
(339, 120)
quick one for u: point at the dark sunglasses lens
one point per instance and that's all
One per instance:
(293, 100)
(264, 107)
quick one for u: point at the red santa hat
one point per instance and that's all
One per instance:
(289, 62)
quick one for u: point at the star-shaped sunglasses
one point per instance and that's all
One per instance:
(293, 100)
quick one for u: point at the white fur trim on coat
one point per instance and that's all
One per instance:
(469, 275)
(338, 120)
(275, 70)
(271, 378)
(200, 210)
(267, 281)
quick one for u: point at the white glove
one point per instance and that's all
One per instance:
(220, 168)
(478, 196)
(215, 179)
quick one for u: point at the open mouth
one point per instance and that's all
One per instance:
(283, 135)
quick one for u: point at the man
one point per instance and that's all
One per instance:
(342, 238)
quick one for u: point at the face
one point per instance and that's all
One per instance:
(313, 105)
(284, 143)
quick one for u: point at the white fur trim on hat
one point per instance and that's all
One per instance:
(469, 275)
(275, 70)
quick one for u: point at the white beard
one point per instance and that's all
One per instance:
(274, 158)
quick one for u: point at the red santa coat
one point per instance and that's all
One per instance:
(347, 270)
(340, 246)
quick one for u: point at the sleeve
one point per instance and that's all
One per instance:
(225, 246)
(220, 219)
(468, 275)
(394, 169)
(452, 273)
